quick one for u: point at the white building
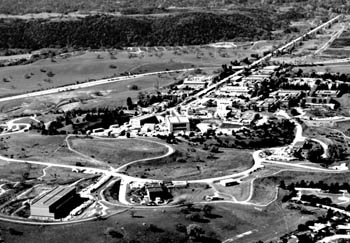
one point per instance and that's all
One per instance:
(221, 107)
(177, 123)
(197, 82)
(138, 121)
(234, 91)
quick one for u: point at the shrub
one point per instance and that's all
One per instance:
(50, 74)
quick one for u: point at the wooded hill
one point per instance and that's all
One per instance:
(111, 31)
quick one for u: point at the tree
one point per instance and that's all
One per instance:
(129, 103)
(207, 209)
(214, 149)
(282, 184)
(194, 231)
(181, 228)
(315, 153)
(113, 233)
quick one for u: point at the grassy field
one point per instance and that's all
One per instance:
(341, 68)
(192, 193)
(36, 147)
(109, 95)
(118, 151)
(193, 163)
(227, 221)
(62, 176)
(264, 191)
(60, 71)
(19, 171)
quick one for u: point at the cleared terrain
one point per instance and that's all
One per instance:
(189, 163)
(117, 152)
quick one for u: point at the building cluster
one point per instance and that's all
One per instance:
(153, 193)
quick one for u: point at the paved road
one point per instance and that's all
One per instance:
(88, 84)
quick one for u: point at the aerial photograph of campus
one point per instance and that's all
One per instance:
(174, 121)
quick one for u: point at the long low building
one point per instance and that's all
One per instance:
(54, 204)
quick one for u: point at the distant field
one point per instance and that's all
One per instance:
(342, 41)
(109, 95)
(341, 68)
(47, 74)
(188, 165)
(117, 152)
(33, 146)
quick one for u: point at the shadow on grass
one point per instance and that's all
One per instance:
(213, 216)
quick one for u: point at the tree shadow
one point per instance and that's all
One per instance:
(213, 216)
(206, 239)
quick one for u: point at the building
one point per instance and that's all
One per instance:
(54, 204)
(177, 123)
(234, 91)
(256, 77)
(138, 121)
(154, 190)
(297, 147)
(229, 182)
(288, 93)
(197, 82)
(327, 93)
(315, 102)
(222, 105)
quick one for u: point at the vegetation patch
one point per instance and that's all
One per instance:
(194, 162)
(118, 151)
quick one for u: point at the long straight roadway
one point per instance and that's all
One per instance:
(88, 84)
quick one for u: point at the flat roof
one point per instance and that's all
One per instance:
(53, 196)
(228, 180)
(327, 91)
(178, 119)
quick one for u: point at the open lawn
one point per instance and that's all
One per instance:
(264, 191)
(26, 120)
(62, 176)
(58, 71)
(18, 171)
(111, 95)
(36, 147)
(239, 192)
(341, 68)
(189, 163)
(192, 193)
(343, 126)
(226, 221)
(117, 152)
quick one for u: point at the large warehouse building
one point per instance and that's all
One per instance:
(54, 204)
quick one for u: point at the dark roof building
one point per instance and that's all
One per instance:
(54, 204)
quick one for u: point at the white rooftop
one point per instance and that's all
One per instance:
(178, 119)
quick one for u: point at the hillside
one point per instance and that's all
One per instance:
(111, 31)
(18, 7)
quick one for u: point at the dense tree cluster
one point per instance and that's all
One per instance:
(271, 134)
(111, 31)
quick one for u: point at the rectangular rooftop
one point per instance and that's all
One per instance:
(53, 196)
